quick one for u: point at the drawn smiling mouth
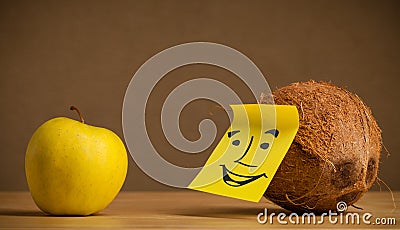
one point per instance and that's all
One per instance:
(237, 183)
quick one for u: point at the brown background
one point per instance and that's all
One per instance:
(57, 53)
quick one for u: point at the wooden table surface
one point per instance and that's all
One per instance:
(172, 210)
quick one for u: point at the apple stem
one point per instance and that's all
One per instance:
(79, 113)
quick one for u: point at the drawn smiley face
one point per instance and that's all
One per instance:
(248, 154)
(227, 175)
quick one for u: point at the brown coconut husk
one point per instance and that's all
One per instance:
(335, 154)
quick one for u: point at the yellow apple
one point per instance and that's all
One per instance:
(73, 168)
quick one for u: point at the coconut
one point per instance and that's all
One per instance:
(335, 154)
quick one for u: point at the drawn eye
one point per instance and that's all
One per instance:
(236, 142)
(264, 145)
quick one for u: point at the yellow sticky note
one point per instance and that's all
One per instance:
(248, 155)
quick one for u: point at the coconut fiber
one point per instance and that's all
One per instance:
(335, 154)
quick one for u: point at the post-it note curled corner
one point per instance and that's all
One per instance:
(248, 155)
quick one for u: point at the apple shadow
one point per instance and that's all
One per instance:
(227, 212)
(14, 212)
(34, 213)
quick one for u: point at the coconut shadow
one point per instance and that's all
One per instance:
(227, 212)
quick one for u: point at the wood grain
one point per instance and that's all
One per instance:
(187, 209)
